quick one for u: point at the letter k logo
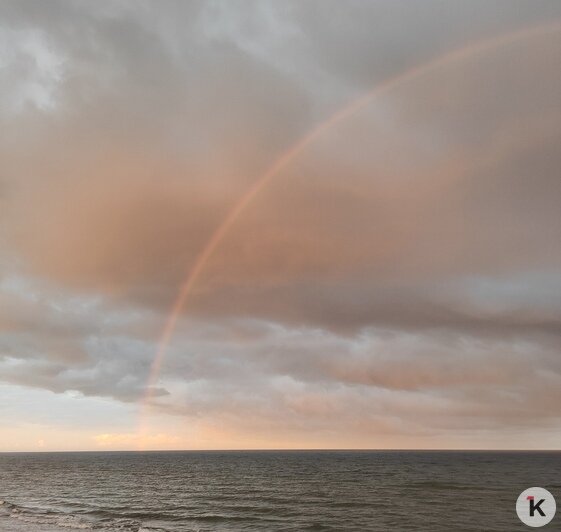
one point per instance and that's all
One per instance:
(535, 507)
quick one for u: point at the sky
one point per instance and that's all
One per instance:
(392, 281)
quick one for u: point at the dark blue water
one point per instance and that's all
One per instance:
(260, 491)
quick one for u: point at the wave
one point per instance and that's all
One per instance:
(64, 520)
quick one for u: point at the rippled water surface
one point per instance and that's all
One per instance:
(260, 491)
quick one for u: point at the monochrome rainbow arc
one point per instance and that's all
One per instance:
(286, 158)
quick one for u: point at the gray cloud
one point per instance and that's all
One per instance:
(400, 277)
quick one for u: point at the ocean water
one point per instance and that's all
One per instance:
(277, 491)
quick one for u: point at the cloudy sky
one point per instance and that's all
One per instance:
(394, 282)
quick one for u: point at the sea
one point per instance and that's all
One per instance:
(271, 490)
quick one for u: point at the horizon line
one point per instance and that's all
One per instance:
(302, 450)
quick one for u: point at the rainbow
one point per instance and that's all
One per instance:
(292, 153)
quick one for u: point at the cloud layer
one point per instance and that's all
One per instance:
(398, 284)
